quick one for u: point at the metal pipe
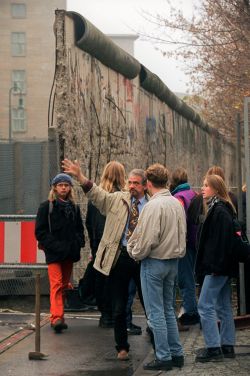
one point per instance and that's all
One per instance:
(247, 162)
(24, 266)
(37, 355)
(10, 117)
(37, 309)
(16, 217)
(239, 167)
(240, 211)
(15, 88)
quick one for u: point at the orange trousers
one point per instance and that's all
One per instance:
(59, 277)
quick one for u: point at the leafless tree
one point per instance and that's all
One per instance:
(215, 43)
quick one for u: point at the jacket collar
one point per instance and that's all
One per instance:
(162, 192)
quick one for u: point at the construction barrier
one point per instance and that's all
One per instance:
(17, 240)
(20, 258)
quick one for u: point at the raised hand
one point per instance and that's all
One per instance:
(74, 169)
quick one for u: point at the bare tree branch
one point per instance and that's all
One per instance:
(215, 44)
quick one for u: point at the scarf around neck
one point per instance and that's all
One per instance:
(67, 207)
(181, 187)
(212, 201)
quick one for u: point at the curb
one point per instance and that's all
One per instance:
(19, 335)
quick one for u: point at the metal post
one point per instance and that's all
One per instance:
(240, 212)
(15, 88)
(37, 309)
(239, 167)
(10, 117)
(247, 162)
(247, 167)
(37, 355)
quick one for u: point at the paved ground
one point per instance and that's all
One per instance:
(84, 349)
(193, 340)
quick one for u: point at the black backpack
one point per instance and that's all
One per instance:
(195, 210)
(50, 211)
(241, 248)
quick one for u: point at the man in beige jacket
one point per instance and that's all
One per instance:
(159, 239)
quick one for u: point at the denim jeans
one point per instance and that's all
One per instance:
(157, 280)
(215, 303)
(186, 281)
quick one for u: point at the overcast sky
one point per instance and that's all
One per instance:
(125, 16)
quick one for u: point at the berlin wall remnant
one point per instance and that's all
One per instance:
(108, 106)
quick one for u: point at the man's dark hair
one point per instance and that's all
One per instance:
(158, 175)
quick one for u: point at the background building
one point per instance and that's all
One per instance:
(28, 155)
(125, 41)
(27, 61)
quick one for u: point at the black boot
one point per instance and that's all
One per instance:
(228, 351)
(189, 319)
(178, 361)
(106, 322)
(158, 365)
(210, 354)
(133, 329)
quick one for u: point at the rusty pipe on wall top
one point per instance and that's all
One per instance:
(153, 84)
(93, 41)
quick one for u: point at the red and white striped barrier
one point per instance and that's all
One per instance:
(18, 243)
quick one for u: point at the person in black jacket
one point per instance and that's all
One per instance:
(215, 263)
(196, 212)
(59, 231)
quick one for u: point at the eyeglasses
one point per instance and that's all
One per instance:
(66, 185)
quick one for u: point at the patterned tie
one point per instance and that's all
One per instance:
(133, 218)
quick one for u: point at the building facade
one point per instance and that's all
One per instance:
(27, 63)
(125, 41)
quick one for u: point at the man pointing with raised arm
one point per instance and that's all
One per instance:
(121, 210)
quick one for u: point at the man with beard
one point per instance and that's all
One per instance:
(121, 210)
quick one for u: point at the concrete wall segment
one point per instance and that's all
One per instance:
(101, 115)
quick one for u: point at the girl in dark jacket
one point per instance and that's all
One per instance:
(59, 231)
(214, 262)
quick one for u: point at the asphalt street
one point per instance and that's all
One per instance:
(85, 349)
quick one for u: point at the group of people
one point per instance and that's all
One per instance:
(156, 237)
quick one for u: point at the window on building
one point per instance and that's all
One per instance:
(18, 120)
(18, 10)
(18, 44)
(19, 80)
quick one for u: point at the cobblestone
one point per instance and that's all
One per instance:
(192, 340)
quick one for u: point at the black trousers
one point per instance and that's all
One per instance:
(104, 296)
(125, 269)
(87, 283)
